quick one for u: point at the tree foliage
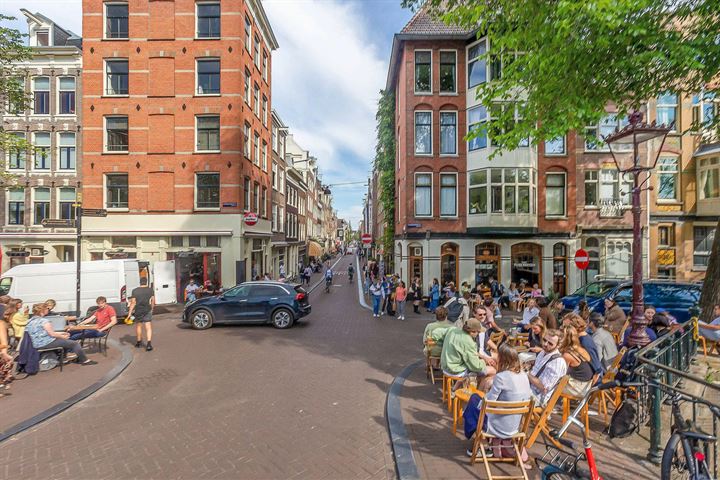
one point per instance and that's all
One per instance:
(13, 98)
(385, 164)
(576, 57)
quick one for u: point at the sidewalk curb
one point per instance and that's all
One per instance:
(322, 279)
(402, 450)
(125, 360)
(361, 293)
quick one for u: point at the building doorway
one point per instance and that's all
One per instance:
(560, 269)
(449, 263)
(487, 262)
(202, 267)
(526, 263)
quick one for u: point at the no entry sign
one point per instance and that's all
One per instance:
(366, 239)
(251, 219)
(582, 259)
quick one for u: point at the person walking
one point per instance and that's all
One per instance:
(142, 302)
(377, 292)
(400, 298)
(308, 274)
(416, 289)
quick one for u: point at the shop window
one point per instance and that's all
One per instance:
(194, 241)
(212, 241)
(526, 263)
(124, 242)
(176, 241)
(449, 254)
(487, 262)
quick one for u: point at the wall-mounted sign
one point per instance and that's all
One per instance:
(230, 204)
(250, 219)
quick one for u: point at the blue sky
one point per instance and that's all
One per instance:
(327, 73)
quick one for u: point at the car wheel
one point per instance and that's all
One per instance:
(282, 318)
(201, 319)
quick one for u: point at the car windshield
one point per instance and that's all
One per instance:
(5, 285)
(595, 289)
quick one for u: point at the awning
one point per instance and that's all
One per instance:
(314, 249)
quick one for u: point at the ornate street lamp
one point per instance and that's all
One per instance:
(629, 161)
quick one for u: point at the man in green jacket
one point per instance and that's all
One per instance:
(460, 351)
(441, 323)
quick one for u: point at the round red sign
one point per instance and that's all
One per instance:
(582, 259)
(250, 218)
(366, 238)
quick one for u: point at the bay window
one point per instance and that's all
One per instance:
(501, 111)
(423, 133)
(477, 65)
(477, 119)
(448, 133)
(507, 190)
(709, 178)
(423, 71)
(448, 194)
(478, 192)
(423, 194)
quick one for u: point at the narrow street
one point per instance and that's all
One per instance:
(239, 401)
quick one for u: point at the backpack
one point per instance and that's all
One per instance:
(454, 308)
(624, 421)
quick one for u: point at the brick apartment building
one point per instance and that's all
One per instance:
(462, 217)
(177, 122)
(43, 183)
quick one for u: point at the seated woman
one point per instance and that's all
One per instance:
(513, 296)
(578, 360)
(536, 291)
(535, 336)
(17, 315)
(42, 335)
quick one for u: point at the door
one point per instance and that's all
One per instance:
(560, 269)
(164, 282)
(232, 305)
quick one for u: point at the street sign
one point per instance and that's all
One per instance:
(94, 212)
(366, 239)
(250, 219)
(15, 253)
(582, 259)
(57, 223)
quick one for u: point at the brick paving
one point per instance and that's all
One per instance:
(236, 402)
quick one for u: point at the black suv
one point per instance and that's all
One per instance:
(277, 303)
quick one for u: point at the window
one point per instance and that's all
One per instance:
(116, 20)
(667, 178)
(116, 133)
(265, 111)
(448, 72)
(498, 111)
(263, 201)
(17, 107)
(208, 76)
(709, 178)
(595, 133)
(208, 133)
(281, 219)
(66, 202)
(281, 181)
(17, 156)
(41, 205)
(42, 150)
(478, 192)
(704, 109)
(124, 241)
(591, 188)
(274, 176)
(67, 95)
(448, 133)
(423, 71)
(256, 101)
(16, 206)
(176, 241)
(555, 146)
(256, 195)
(423, 194)
(477, 68)
(246, 191)
(265, 66)
(246, 141)
(256, 52)
(555, 195)
(256, 140)
(116, 77)
(274, 227)
(247, 87)
(212, 241)
(667, 106)
(42, 38)
(116, 190)
(448, 194)
(248, 33)
(703, 239)
(615, 188)
(264, 155)
(207, 187)
(423, 133)
(41, 96)
(66, 143)
(208, 20)
(666, 236)
(477, 117)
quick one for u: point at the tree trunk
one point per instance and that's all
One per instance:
(711, 286)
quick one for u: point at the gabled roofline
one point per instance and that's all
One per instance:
(258, 7)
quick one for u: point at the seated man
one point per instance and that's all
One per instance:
(105, 318)
(711, 330)
(441, 322)
(459, 354)
(549, 368)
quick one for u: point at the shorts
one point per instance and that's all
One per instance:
(144, 319)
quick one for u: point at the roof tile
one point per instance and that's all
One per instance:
(422, 23)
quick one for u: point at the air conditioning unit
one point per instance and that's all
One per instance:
(417, 251)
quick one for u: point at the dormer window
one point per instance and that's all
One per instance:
(42, 38)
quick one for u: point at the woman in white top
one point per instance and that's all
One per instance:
(510, 385)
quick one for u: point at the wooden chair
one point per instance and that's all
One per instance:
(614, 395)
(518, 440)
(497, 338)
(462, 396)
(431, 363)
(542, 414)
(702, 340)
(618, 336)
(567, 398)
(519, 340)
(447, 388)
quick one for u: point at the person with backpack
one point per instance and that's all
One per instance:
(455, 307)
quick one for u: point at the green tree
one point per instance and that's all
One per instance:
(576, 57)
(385, 165)
(13, 98)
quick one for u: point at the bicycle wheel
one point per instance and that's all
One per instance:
(675, 460)
(557, 476)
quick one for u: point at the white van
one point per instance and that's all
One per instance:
(112, 279)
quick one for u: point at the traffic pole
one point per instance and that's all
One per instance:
(78, 227)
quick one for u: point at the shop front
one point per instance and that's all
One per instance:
(449, 253)
(487, 262)
(526, 263)
(202, 267)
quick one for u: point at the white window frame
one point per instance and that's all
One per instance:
(57, 96)
(675, 173)
(248, 32)
(197, 74)
(49, 151)
(432, 206)
(57, 198)
(28, 154)
(265, 66)
(704, 166)
(105, 202)
(105, 136)
(430, 154)
(105, 77)
(457, 194)
(195, 193)
(256, 100)
(264, 156)
(58, 148)
(596, 185)
(454, 52)
(421, 92)
(695, 267)
(197, 18)
(196, 133)
(32, 203)
(619, 123)
(468, 60)
(675, 106)
(256, 148)
(564, 147)
(104, 20)
(481, 122)
(565, 194)
(445, 112)
(49, 91)
(7, 206)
